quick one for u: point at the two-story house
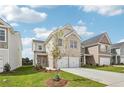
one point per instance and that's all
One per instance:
(10, 46)
(117, 51)
(40, 55)
(69, 44)
(96, 50)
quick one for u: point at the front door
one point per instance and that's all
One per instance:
(42, 60)
(1, 64)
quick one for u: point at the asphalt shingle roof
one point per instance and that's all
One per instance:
(118, 45)
(92, 40)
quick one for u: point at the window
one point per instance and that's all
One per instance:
(118, 51)
(103, 48)
(2, 35)
(59, 42)
(40, 47)
(73, 44)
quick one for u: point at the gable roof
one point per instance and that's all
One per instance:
(68, 34)
(5, 23)
(117, 45)
(95, 40)
(67, 26)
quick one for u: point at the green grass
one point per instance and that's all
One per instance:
(108, 68)
(111, 68)
(27, 77)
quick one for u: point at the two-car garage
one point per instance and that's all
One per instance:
(68, 62)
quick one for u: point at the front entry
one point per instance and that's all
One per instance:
(1, 64)
(42, 60)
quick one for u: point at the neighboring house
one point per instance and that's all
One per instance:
(40, 55)
(69, 44)
(117, 53)
(96, 50)
(10, 46)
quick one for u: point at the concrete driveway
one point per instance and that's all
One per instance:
(112, 79)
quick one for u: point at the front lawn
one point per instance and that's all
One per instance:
(27, 77)
(108, 68)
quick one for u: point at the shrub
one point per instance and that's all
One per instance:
(38, 67)
(57, 77)
(97, 65)
(7, 67)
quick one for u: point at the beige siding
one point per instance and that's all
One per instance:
(49, 47)
(94, 51)
(72, 52)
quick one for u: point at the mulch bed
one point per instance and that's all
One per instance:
(53, 83)
(45, 70)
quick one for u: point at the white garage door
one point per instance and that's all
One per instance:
(73, 62)
(122, 60)
(63, 63)
(104, 61)
(1, 64)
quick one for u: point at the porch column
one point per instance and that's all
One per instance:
(84, 59)
(116, 60)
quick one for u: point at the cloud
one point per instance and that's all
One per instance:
(27, 41)
(14, 24)
(122, 40)
(103, 10)
(21, 14)
(27, 52)
(80, 22)
(43, 6)
(42, 33)
(27, 47)
(82, 30)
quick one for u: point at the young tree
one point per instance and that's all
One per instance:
(56, 52)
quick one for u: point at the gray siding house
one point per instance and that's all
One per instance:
(117, 53)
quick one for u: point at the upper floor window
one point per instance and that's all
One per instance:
(118, 51)
(40, 47)
(103, 48)
(2, 35)
(59, 42)
(73, 44)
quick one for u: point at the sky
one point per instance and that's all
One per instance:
(37, 22)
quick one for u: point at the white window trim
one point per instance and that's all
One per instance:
(41, 47)
(73, 44)
(5, 34)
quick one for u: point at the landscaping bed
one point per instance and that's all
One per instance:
(53, 83)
